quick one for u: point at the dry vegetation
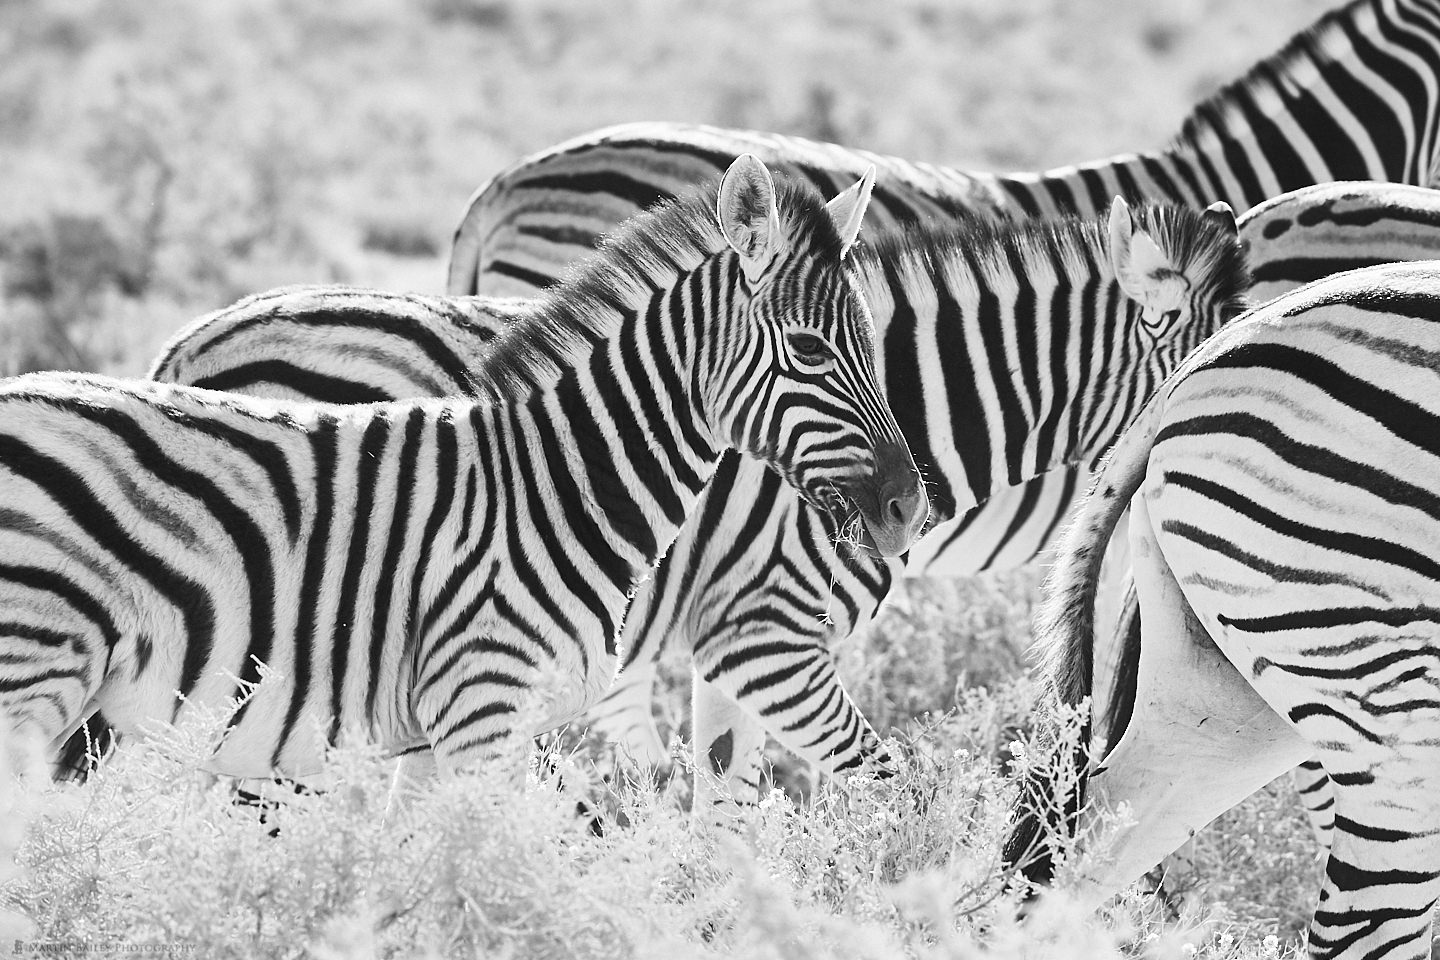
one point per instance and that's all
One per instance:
(161, 158)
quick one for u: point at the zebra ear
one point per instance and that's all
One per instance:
(848, 207)
(747, 215)
(1140, 266)
(1222, 216)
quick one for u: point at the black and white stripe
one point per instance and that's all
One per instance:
(448, 572)
(1109, 309)
(1309, 234)
(1284, 530)
(1356, 96)
(1294, 239)
(1009, 352)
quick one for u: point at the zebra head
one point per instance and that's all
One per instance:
(1185, 272)
(793, 379)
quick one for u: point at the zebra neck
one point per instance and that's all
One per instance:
(1317, 110)
(1351, 98)
(1088, 189)
(999, 358)
(629, 459)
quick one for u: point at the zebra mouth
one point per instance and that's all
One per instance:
(834, 503)
(850, 529)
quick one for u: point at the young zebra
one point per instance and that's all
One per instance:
(425, 572)
(1355, 96)
(1284, 528)
(1112, 308)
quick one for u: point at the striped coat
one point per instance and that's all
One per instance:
(1284, 531)
(446, 572)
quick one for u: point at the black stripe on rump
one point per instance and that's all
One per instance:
(247, 536)
(1300, 270)
(389, 323)
(1408, 421)
(79, 600)
(1351, 544)
(269, 457)
(632, 190)
(249, 377)
(71, 493)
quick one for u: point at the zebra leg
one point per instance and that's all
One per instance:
(478, 707)
(1312, 784)
(414, 772)
(790, 687)
(1374, 722)
(1200, 739)
(52, 664)
(1382, 877)
(624, 716)
(1117, 622)
(729, 748)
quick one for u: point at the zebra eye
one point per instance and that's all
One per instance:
(809, 349)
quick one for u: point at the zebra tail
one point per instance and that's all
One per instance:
(1052, 791)
(1121, 705)
(462, 279)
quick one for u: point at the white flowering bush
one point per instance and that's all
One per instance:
(154, 851)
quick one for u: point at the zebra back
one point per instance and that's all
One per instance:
(1352, 97)
(338, 344)
(1308, 234)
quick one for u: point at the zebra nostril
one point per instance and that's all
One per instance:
(895, 510)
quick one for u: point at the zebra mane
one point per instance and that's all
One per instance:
(643, 255)
(1000, 256)
(1323, 41)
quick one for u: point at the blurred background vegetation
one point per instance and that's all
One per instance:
(160, 158)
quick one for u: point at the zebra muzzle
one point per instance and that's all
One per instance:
(895, 506)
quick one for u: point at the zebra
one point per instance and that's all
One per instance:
(1327, 228)
(441, 573)
(1291, 240)
(1134, 292)
(1353, 96)
(1284, 531)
